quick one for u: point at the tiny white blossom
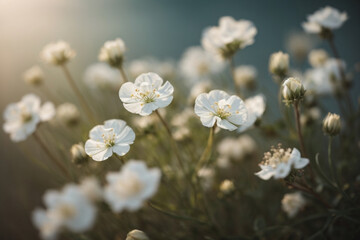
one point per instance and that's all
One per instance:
(182, 118)
(298, 44)
(227, 186)
(292, 203)
(278, 163)
(206, 176)
(103, 77)
(21, 118)
(256, 108)
(146, 95)
(197, 64)
(318, 57)
(129, 188)
(325, 18)
(217, 107)
(236, 148)
(34, 76)
(113, 52)
(91, 189)
(68, 114)
(279, 64)
(136, 235)
(112, 137)
(57, 53)
(245, 76)
(200, 87)
(231, 35)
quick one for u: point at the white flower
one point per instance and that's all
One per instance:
(113, 52)
(102, 76)
(197, 64)
(34, 76)
(332, 124)
(279, 63)
(21, 118)
(136, 235)
(278, 163)
(292, 90)
(165, 69)
(197, 89)
(236, 148)
(112, 137)
(181, 133)
(231, 35)
(292, 203)
(227, 186)
(129, 188)
(245, 76)
(57, 53)
(181, 119)
(318, 57)
(256, 107)
(146, 95)
(68, 114)
(325, 18)
(206, 176)
(299, 44)
(217, 107)
(78, 154)
(68, 208)
(91, 189)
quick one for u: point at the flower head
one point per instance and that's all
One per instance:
(318, 57)
(34, 76)
(236, 148)
(293, 90)
(68, 114)
(278, 163)
(78, 154)
(57, 53)
(146, 95)
(279, 64)
(130, 187)
(256, 107)
(332, 124)
(227, 186)
(136, 235)
(206, 176)
(324, 20)
(228, 112)
(292, 203)
(112, 137)
(165, 68)
(245, 76)
(101, 76)
(229, 37)
(21, 118)
(113, 52)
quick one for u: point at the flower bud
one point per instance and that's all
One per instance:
(318, 57)
(245, 76)
(136, 235)
(332, 124)
(68, 114)
(293, 90)
(279, 64)
(227, 186)
(57, 53)
(113, 52)
(34, 76)
(78, 154)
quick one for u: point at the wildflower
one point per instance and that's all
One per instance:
(229, 37)
(228, 112)
(136, 235)
(21, 118)
(279, 64)
(91, 189)
(324, 20)
(292, 203)
(182, 118)
(165, 69)
(112, 137)
(332, 124)
(206, 176)
(256, 107)
(293, 90)
(57, 53)
(278, 163)
(181, 133)
(200, 87)
(34, 76)
(130, 187)
(146, 95)
(227, 186)
(100, 76)
(78, 154)
(67, 208)
(299, 44)
(113, 53)
(245, 76)
(197, 64)
(318, 57)
(236, 148)
(68, 114)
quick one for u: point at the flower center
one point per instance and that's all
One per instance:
(222, 110)
(109, 138)
(67, 211)
(145, 96)
(130, 187)
(276, 156)
(25, 116)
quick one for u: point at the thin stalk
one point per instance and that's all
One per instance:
(78, 93)
(123, 74)
(311, 192)
(298, 128)
(232, 69)
(51, 155)
(121, 159)
(173, 143)
(205, 156)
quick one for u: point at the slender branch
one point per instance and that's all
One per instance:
(232, 69)
(120, 158)
(311, 192)
(123, 74)
(298, 128)
(49, 153)
(78, 93)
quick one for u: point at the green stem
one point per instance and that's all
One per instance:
(120, 158)
(205, 156)
(330, 160)
(232, 69)
(78, 93)
(298, 128)
(123, 74)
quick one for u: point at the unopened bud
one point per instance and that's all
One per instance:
(136, 235)
(227, 186)
(332, 124)
(34, 76)
(279, 64)
(293, 90)
(78, 154)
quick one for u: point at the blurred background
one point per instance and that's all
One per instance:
(159, 28)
